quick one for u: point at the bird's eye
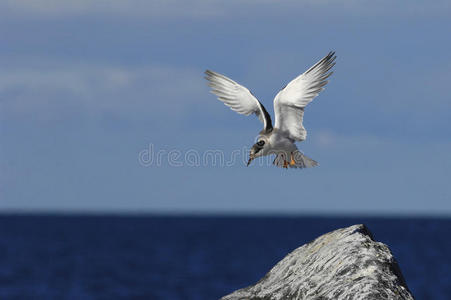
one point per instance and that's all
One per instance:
(260, 143)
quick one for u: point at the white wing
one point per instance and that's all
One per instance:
(289, 103)
(237, 97)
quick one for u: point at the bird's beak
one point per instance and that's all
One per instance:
(251, 158)
(252, 153)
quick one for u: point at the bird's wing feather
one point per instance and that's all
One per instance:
(290, 102)
(237, 97)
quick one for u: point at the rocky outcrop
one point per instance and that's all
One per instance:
(344, 264)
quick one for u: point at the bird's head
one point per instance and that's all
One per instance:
(258, 148)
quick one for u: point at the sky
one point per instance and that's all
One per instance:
(104, 108)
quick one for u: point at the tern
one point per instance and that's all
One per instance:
(289, 105)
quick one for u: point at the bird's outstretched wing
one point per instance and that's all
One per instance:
(237, 97)
(289, 103)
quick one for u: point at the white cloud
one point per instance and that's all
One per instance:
(328, 140)
(46, 90)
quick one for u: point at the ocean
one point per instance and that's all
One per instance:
(187, 257)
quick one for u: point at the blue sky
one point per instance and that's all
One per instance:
(86, 86)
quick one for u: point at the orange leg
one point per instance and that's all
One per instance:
(292, 162)
(285, 164)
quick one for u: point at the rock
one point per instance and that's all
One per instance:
(343, 264)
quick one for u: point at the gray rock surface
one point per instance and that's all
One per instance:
(343, 264)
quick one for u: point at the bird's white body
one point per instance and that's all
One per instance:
(278, 141)
(285, 149)
(289, 106)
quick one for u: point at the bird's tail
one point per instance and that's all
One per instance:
(295, 159)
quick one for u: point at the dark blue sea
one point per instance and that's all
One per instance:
(114, 257)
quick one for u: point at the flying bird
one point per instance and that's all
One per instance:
(289, 105)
